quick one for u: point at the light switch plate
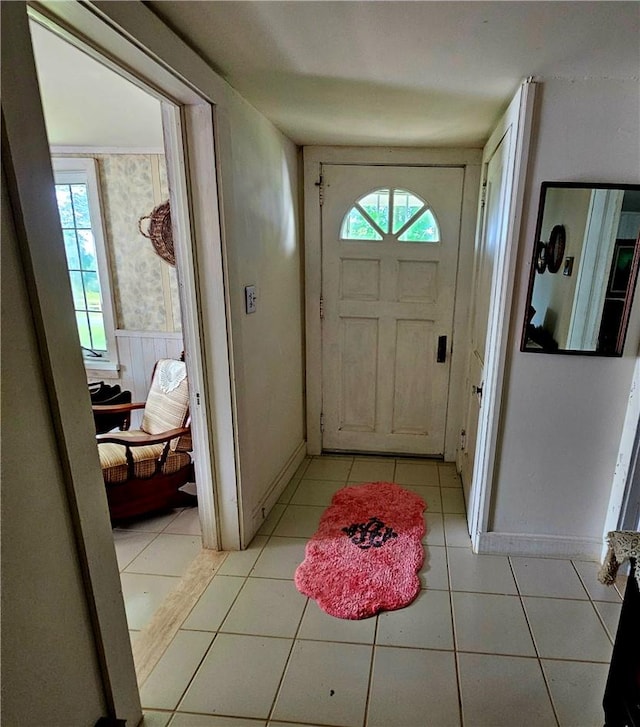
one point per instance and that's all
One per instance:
(251, 299)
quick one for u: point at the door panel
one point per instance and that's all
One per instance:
(387, 299)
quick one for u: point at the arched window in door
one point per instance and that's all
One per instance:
(390, 213)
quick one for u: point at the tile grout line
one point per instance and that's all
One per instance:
(374, 646)
(593, 605)
(456, 659)
(535, 645)
(286, 664)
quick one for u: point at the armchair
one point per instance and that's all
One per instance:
(144, 468)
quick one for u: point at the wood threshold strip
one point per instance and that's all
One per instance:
(153, 640)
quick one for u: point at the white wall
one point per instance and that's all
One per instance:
(563, 415)
(50, 673)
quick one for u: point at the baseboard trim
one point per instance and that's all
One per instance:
(275, 489)
(549, 546)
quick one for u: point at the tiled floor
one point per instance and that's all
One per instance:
(489, 641)
(153, 553)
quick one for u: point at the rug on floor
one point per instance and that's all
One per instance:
(367, 551)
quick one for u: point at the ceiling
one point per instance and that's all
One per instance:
(401, 73)
(86, 104)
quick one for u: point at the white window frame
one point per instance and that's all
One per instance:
(83, 170)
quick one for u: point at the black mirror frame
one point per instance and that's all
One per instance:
(535, 261)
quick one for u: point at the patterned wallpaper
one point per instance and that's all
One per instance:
(145, 287)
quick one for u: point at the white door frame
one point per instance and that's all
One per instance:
(314, 157)
(27, 159)
(188, 122)
(519, 113)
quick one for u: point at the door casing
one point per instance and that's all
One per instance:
(313, 158)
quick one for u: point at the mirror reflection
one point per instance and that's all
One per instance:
(585, 265)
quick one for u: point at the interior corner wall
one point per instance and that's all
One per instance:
(562, 415)
(263, 244)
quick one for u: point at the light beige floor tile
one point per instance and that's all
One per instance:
(270, 522)
(299, 521)
(149, 523)
(425, 624)
(302, 468)
(329, 469)
(480, 573)
(547, 577)
(292, 724)
(173, 672)
(214, 604)
(456, 532)
(326, 682)
(155, 719)
(491, 624)
(319, 626)
(503, 691)
(413, 688)
(452, 501)
(588, 572)
(287, 493)
(133, 635)
(204, 720)
(434, 534)
(564, 629)
(266, 607)
(239, 676)
(431, 496)
(143, 594)
(316, 492)
(577, 690)
(433, 573)
(240, 562)
(448, 476)
(167, 555)
(187, 523)
(129, 545)
(372, 470)
(280, 558)
(610, 614)
(411, 473)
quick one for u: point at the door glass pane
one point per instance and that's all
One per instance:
(356, 227)
(98, 338)
(405, 206)
(63, 196)
(92, 291)
(80, 205)
(77, 290)
(87, 250)
(71, 249)
(83, 329)
(376, 205)
(424, 229)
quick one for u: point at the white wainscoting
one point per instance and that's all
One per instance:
(137, 353)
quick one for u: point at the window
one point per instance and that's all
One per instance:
(78, 200)
(390, 213)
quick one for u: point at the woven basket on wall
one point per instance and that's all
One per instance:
(159, 231)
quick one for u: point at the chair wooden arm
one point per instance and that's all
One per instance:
(117, 408)
(142, 439)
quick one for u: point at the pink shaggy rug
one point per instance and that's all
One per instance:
(367, 551)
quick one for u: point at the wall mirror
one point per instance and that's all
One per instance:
(586, 255)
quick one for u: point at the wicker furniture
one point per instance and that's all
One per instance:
(144, 468)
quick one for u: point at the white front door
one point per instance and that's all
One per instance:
(390, 239)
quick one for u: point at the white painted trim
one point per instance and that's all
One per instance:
(313, 159)
(127, 333)
(209, 274)
(190, 296)
(550, 546)
(94, 150)
(625, 462)
(277, 486)
(520, 112)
